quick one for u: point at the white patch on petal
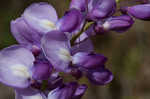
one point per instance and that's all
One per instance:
(106, 25)
(64, 54)
(20, 71)
(54, 94)
(76, 58)
(45, 24)
(37, 96)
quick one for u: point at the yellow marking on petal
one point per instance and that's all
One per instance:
(20, 71)
(64, 54)
(48, 23)
(44, 23)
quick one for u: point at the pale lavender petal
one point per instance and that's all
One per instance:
(41, 17)
(100, 76)
(99, 9)
(24, 34)
(15, 65)
(28, 94)
(56, 47)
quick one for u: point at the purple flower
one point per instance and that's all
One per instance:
(83, 44)
(71, 21)
(37, 20)
(56, 47)
(80, 91)
(41, 70)
(141, 11)
(15, 66)
(68, 91)
(89, 60)
(60, 54)
(49, 46)
(24, 34)
(41, 17)
(79, 4)
(100, 76)
(97, 9)
(34, 96)
(29, 93)
(116, 23)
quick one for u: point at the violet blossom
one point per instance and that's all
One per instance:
(50, 46)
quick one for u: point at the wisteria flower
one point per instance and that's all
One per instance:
(51, 48)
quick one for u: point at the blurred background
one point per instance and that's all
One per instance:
(128, 53)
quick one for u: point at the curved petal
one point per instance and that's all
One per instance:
(41, 17)
(141, 11)
(118, 23)
(100, 76)
(24, 34)
(79, 4)
(84, 44)
(89, 60)
(71, 21)
(65, 92)
(99, 9)
(56, 47)
(28, 94)
(41, 70)
(80, 91)
(15, 65)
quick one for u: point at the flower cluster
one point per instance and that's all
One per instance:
(49, 48)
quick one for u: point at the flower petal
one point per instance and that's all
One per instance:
(24, 34)
(79, 4)
(15, 65)
(41, 70)
(41, 17)
(65, 92)
(56, 47)
(80, 91)
(84, 44)
(100, 77)
(89, 60)
(99, 9)
(118, 23)
(75, 21)
(141, 11)
(28, 94)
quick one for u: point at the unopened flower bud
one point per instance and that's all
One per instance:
(89, 60)
(100, 77)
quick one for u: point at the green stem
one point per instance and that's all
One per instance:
(44, 85)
